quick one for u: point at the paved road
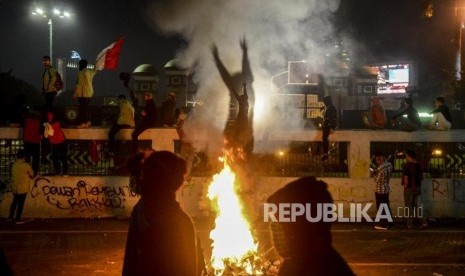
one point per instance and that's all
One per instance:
(96, 247)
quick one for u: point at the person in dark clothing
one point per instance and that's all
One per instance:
(148, 120)
(442, 120)
(329, 123)
(161, 236)
(32, 139)
(306, 246)
(58, 144)
(412, 122)
(167, 110)
(49, 77)
(412, 176)
(5, 267)
(234, 82)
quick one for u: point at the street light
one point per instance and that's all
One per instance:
(57, 13)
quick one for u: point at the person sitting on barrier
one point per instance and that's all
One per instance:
(161, 237)
(376, 117)
(412, 122)
(125, 120)
(442, 120)
(306, 246)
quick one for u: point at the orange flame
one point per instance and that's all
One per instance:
(233, 244)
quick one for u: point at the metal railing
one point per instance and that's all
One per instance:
(438, 159)
(91, 157)
(85, 157)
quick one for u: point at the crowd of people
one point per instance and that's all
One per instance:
(153, 247)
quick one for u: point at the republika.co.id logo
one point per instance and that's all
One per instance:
(332, 212)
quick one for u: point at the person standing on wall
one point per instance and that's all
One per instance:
(84, 91)
(329, 124)
(381, 176)
(21, 177)
(168, 107)
(49, 77)
(148, 120)
(187, 149)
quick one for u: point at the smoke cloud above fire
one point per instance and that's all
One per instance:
(276, 32)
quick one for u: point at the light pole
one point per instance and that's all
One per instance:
(57, 13)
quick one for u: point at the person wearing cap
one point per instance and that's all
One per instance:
(442, 120)
(412, 122)
(161, 236)
(306, 246)
(376, 117)
(381, 176)
(148, 120)
(168, 110)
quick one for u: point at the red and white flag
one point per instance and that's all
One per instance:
(108, 57)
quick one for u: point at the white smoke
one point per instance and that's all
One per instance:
(276, 31)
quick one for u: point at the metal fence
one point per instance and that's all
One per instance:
(277, 158)
(438, 160)
(286, 159)
(85, 157)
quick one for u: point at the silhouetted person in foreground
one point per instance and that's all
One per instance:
(236, 82)
(5, 268)
(161, 236)
(306, 246)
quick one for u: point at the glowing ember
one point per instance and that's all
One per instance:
(233, 246)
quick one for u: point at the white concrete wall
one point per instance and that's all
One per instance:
(74, 196)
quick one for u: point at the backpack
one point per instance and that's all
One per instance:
(58, 82)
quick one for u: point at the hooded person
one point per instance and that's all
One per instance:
(161, 236)
(306, 246)
(329, 123)
(376, 117)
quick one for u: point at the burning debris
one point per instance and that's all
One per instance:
(234, 248)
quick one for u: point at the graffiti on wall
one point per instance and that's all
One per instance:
(448, 189)
(81, 196)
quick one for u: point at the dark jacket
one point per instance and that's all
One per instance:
(444, 109)
(161, 241)
(329, 113)
(167, 111)
(412, 114)
(150, 113)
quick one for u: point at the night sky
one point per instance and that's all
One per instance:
(93, 26)
(373, 31)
